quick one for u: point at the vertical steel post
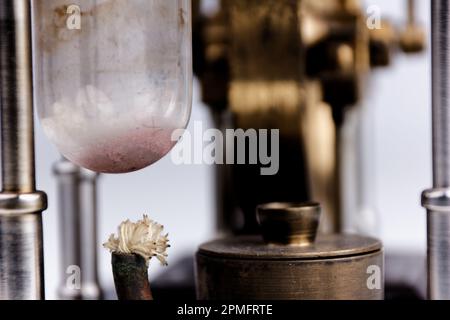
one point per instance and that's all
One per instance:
(437, 199)
(77, 202)
(21, 206)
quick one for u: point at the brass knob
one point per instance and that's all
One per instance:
(412, 39)
(289, 223)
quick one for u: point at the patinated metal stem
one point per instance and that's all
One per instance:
(131, 277)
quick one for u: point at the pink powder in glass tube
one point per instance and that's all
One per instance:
(127, 152)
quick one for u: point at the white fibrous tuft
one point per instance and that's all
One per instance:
(143, 238)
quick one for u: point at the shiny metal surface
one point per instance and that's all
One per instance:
(322, 279)
(438, 238)
(16, 97)
(21, 260)
(21, 256)
(334, 267)
(441, 92)
(22, 203)
(330, 267)
(325, 247)
(437, 200)
(294, 224)
(77, 198)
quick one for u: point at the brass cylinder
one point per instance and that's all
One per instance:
(331, 267)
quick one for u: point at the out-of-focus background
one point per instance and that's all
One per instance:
(397, 110)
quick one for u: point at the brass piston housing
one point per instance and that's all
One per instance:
(331, 267)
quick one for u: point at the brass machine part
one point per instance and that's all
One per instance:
(231, 50)
(294, 263)
(289, 223)
(412, 38)
(293, 65)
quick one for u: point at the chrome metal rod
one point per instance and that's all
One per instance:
(21, 261)
(21, 254)
(77, 197)
(441, 92)
(437, 200)
(90, 285)
(16, 96)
